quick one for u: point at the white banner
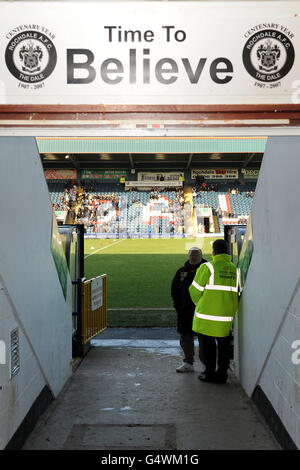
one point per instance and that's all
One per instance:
(216, 174)
(155, 177)
(250, 174)
(97, 293)
(149, 52)
(152, 184)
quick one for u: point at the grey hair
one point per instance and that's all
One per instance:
(195, 248)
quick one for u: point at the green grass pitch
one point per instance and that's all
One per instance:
(139, 274)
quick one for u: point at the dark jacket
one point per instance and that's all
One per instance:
(181, 297)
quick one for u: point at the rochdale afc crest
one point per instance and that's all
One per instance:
(268, 55)
(30, 56)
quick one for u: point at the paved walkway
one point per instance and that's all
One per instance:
(126, 395)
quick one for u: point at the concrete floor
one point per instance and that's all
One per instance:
(126, 395)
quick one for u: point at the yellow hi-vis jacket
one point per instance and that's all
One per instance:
(214, 290)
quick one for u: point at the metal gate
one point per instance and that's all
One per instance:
(94, 308)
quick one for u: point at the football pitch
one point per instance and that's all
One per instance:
(139, 275)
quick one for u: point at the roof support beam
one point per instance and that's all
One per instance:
(131, 161)
(189, 160)
(73, 160)
(248, 160)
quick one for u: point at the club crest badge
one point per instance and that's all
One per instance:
(30, 56)
(268, 55)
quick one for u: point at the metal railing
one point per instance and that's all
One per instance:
(94, 308)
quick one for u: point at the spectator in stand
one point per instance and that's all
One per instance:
(219, 211)
(73, 215)
(198, 180)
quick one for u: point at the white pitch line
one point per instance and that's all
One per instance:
(140, 308)
(107, 246)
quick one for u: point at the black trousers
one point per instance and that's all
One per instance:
(187, 345)
(215, 351)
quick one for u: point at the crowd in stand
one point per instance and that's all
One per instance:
(156, 193)
(174, 209)
(237, 191)
(90, 209)
(234, 191)
(101, 213)
(197, 190)
(68, 199)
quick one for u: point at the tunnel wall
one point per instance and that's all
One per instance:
(268, 323)
(31, 296)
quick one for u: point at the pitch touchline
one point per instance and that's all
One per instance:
(119, 241)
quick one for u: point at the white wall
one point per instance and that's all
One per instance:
(31, 297)
(269, 316)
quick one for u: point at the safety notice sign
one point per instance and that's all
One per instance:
(97, 293)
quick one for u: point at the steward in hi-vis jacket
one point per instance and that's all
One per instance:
(214, 290)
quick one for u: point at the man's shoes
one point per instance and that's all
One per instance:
(185, 367)
(215, 377)
(221, 377)
(204, 377)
